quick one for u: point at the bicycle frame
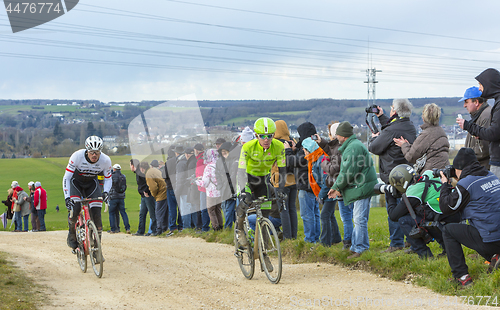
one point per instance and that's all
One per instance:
(89, 243)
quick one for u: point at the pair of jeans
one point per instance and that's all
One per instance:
(116, 207)
(147, 205)
(495, 170)
(25, 220)
(252, 219)
(18, 221)
(396, 234)
(418, 245)
(229, 207)
(456, 234)
(174, 216)
(205, 218)
(288, 215)
(361, 211)
(188, 216)
(309, 211)
(330, 233)
(161, 216)
(346, 218)
(41, 218)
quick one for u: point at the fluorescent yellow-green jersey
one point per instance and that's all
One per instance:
(257, 161)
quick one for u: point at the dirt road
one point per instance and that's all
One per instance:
(189, 273)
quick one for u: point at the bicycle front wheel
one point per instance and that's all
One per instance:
(270, 251)
(95, 251)
(80, 250)
(244, 255)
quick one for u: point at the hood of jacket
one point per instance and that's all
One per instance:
(305, 130)
(490, 79)
(282, 131)
(211, 156)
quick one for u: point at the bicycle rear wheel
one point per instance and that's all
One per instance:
(80, 250)
(95, 251)
(244, 254)
(270, 251)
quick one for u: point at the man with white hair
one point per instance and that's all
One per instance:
(396, 125)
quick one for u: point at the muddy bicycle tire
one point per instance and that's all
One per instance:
(270, 251)
(80, 250)
(244, 255)
(95, 250)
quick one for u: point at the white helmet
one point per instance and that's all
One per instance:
(93, 143)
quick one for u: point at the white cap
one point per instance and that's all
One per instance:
(247, 134)
(38, 184)
(30, 183)
(14, 184)
(117, 167)
(333, 129)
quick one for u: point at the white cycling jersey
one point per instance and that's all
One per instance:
(81, 169)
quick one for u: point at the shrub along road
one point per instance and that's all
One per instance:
(189, 273)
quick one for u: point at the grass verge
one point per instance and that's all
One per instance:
(17, 290)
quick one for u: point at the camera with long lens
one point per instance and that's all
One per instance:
(448, 171)
(420, 233)
(372, 109)
(382, 189)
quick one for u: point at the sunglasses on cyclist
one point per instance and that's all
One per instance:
(94, 152)
(265, 136)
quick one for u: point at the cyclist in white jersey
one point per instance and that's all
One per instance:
(80, 181)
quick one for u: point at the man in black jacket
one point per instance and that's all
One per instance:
(147, 200)
(476, 199)
(117, 200)
(489, 85)
(397, 125)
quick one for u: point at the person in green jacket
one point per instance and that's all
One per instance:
(355, 183)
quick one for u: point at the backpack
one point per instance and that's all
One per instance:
(121, 184)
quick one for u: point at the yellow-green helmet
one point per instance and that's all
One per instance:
(264, 125)
(401, 177)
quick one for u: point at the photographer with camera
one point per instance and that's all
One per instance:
(396, 125)
(476, 198)
(419, 216)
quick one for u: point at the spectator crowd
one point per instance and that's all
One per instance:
(426, 197)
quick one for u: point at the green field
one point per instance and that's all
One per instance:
(50, 171)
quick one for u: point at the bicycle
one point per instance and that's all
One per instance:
(87, 236)
(264, 244)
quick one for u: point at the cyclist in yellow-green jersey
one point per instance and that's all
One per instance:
(256, 158)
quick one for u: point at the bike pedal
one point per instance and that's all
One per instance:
(73, 251)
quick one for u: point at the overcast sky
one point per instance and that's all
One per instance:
(164, 49)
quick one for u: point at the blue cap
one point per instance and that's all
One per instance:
(310, 145)
(471, 93)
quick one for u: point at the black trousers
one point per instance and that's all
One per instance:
(456, 234)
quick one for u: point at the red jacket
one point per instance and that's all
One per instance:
(200, 168)
(40, 198)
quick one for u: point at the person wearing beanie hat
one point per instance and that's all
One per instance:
(397, 124)
(155, 163)
(330, 166)
(480, 113)
(475, 197)
(489, 85)
(344, 130)
(246, 135)
(40, 203)
(355, 183)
